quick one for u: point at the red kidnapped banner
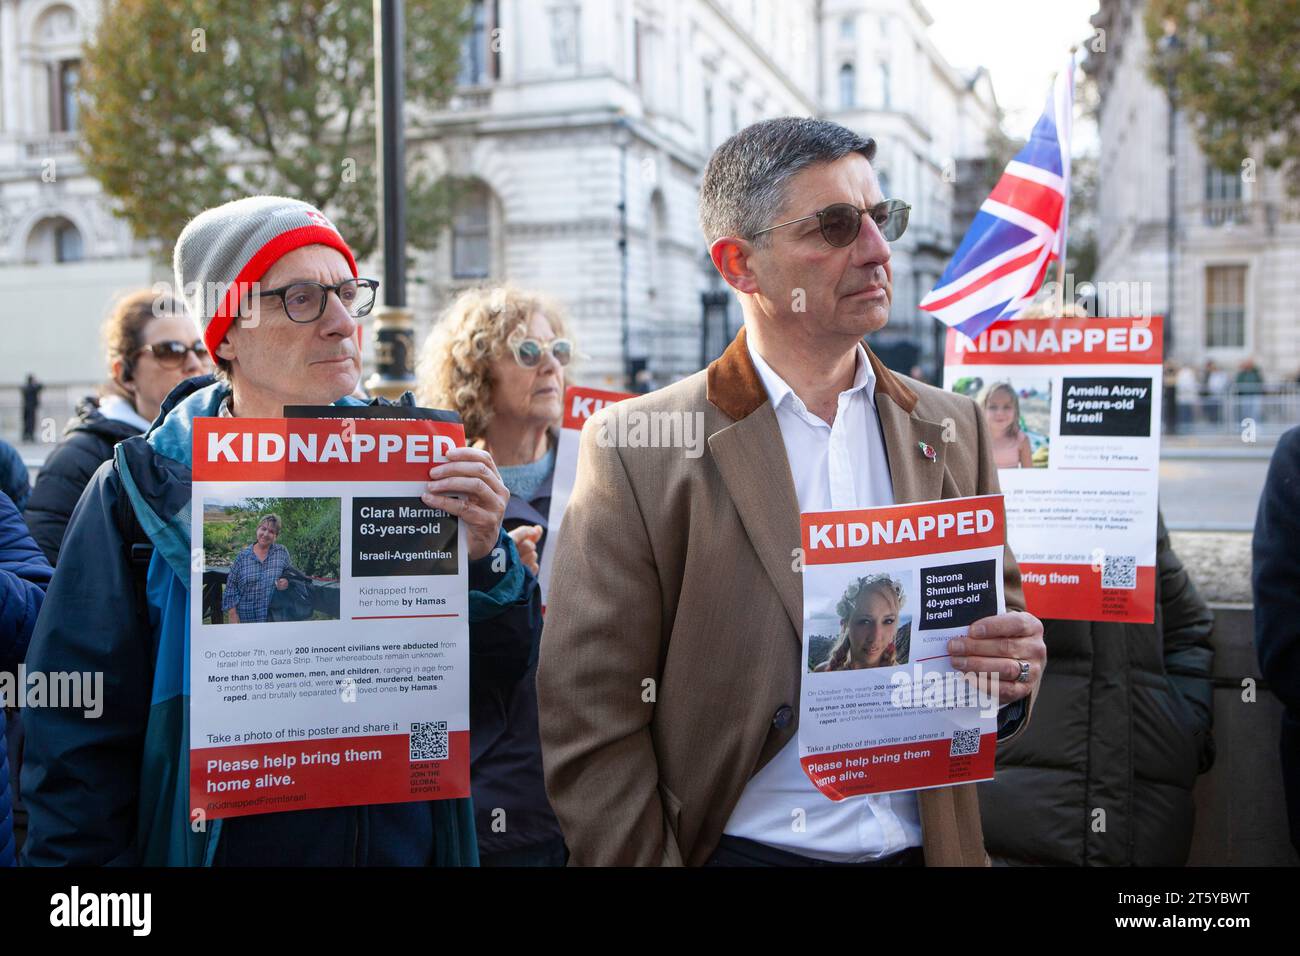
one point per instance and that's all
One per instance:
(851, 773)
(904, 531)
(581, 403)
(1136, 341)
(332, 772)
(1073, 592)
(320, 449)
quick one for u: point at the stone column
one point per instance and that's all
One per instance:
(9, 67)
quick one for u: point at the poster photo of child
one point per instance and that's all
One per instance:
(1019, 420)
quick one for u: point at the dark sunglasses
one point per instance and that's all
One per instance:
(305, 301)
(529, 352)
(841, 222)
(171, 354)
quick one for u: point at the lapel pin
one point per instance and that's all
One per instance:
(928, 451)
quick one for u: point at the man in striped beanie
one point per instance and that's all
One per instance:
(245, 271)
(275, 288)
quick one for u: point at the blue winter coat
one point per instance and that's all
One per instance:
(13, 476)
(24, 575)
(115, 790)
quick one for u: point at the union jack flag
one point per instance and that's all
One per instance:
(1019, 230)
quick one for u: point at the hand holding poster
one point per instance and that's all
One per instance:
(579, 405)
(885, 589)
(354, 688)
(1073, 410)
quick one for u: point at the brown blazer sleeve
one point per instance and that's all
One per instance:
(1013, 718)
(600, 645)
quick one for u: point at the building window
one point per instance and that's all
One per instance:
(67, 244)
(708, 118)
(848, 28)
(1222, 185)
(54, 240)
(480, 60)
(655, 235)
(1223, 195)
(886, 96)
(471, 235)
(848, 87)
(1225, 307)
(63, 96)
(638, 52)
(564, 35)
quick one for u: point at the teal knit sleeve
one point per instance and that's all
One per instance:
(509, 582)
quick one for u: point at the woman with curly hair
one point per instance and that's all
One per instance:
(869, 612)
(498, 357)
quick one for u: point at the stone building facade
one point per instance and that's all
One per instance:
(1237, 232)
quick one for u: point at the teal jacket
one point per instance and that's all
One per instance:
(115, 790)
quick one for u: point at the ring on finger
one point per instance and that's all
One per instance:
(1023, 676)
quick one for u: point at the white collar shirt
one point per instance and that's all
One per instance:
(841, 465)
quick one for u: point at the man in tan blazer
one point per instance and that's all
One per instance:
(670, 663)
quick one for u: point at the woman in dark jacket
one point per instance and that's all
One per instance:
(24, 575)
(498, 358)
(152, 347)
(1103, 775)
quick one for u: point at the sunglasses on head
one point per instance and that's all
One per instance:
(530, 352)
(841, 222)
(171, 354)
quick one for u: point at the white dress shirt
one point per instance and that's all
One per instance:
(842, 465)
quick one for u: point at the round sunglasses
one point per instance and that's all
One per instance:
(171, 354)
(530, 352)
(841, 222)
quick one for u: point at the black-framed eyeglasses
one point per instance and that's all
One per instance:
(171, 354)
(530, 352)
(841, 222)
(305, 301)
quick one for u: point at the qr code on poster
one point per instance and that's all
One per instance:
(965, 742)
(429, 740)
(1119, 571)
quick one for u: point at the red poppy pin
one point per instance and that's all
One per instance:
(928, 451)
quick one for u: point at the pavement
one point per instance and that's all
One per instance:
(1211, 494)
(1218, 562)
(33, 452)
(1216, 446)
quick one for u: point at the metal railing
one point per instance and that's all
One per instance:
(53, 146)
(1268, 408)
(1243, 212)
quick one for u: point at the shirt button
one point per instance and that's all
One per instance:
(783, 716)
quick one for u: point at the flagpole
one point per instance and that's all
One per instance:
(1065, 213)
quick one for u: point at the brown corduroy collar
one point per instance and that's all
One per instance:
(735, 388)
